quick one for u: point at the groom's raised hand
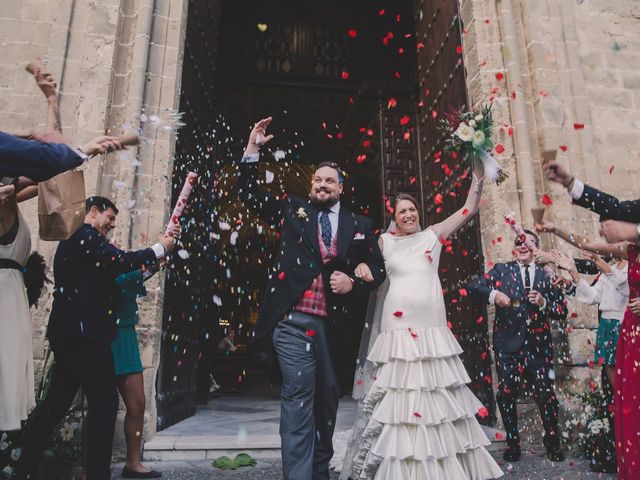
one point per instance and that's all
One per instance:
(258, 136)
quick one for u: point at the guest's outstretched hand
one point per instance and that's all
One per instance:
(258, 135)
(557, 173)
(545, 226)
(634, 305)
(101, 144)
(6, 192)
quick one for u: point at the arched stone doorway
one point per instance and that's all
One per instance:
(357, 82)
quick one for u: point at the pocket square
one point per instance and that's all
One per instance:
(358, 236)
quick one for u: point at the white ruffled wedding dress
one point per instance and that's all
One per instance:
(417, 420)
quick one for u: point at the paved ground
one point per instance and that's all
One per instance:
(533, 466)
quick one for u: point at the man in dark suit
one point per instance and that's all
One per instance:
(304, 310)
(81, 329)
(47, 155)
(620, 221)
(525, 301)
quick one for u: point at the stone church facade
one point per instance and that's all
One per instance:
(547, 64)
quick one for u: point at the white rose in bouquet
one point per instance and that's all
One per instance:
(479, 118)
(465, 133)
(478, 138)
(472, 123)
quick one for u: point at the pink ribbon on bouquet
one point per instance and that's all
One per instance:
(182, 201)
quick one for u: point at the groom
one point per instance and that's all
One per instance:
(304, 309)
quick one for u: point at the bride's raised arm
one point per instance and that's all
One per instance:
(454, 222)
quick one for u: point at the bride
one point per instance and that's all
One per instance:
(416, 416)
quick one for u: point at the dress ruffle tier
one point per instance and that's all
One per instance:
(420, 413)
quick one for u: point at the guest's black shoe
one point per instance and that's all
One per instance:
(128, 473)
(555, 455)
(512, 454)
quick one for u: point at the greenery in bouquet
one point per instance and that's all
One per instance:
(468, 134)
(593, 424)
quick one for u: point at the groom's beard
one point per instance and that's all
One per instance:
(328, 202)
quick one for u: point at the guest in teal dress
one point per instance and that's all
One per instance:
(128, 367)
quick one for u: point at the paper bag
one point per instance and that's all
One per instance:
(61, 205)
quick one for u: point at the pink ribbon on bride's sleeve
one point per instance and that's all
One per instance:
(510, 218)
(182, 201)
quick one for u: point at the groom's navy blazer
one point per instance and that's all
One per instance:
(512, 324)
(85, 267)
(608, 206)
(300, 260)
(35, 160)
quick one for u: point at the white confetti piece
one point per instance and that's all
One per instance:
(269, 176)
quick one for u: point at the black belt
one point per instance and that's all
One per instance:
(8, 263)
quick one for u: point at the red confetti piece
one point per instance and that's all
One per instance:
(392, 103)
(498, 436)
(459, 49)
(578, 126)
(611, 169)
(483, 355)
(465, 253)
(564, 148)
(397, 313)
(282, 276)
(438, 199)
(434, 114)
(499, 77)
(381, 12)
(463, 292)
(412, 333)
(345, 75)
(366, 143)
(499, 148)
(546, 200)
(416, 414)
(311, 332)
(465, 211)
(396, 74)
(483, 412)
(308, 294)
(487, 21)
(412, 180)
(360, 159)
(419, 46)
(352, 32)
(404, 120)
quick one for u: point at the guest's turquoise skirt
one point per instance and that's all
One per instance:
(126, 355)
(607, 341)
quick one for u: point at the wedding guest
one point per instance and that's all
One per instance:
(618, 223)
(128, 370)
(611, 293)
(525, 302)
(17, 396)
(589, 197)
(226, 344)
(46, 155)
(81, 327)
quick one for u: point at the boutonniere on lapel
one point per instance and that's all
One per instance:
(302, 214)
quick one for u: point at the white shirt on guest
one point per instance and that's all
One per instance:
(610, 292)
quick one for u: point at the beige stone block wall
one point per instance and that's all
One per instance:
(113, 60)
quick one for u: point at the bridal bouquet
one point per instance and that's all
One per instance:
(469, 134)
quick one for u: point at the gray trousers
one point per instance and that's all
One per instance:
(310, 395)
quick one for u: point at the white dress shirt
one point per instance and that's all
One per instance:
(610, 292)
(532, 276)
